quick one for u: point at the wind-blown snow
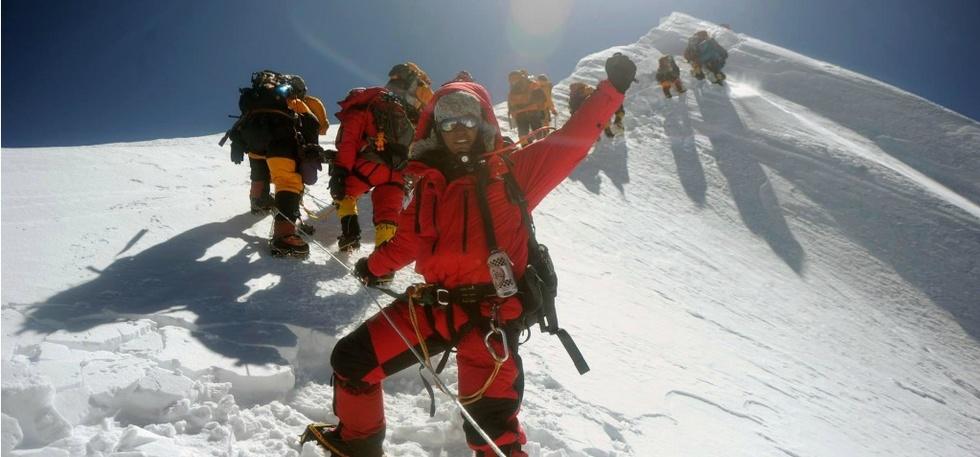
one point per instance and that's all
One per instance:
(785, 266)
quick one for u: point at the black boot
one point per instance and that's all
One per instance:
(667, 92)
(328, 437)
(350, 234)
(285, 241)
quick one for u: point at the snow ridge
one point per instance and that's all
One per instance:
(783, 266)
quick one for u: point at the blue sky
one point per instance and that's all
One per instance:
(96, 71)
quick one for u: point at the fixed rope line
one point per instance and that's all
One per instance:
(438, 380)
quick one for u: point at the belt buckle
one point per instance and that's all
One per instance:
(442, 296)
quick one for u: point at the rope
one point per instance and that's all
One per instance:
(464, 399)
(517, 144)
(311, 214)
(323, 203)
(473, 398)
(438, 380)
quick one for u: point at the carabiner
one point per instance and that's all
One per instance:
(503, 341)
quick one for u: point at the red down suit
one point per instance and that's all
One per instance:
(442, 231)
(366, 168)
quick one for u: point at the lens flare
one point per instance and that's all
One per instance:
(309, 34)
(536, 27)
(540, 17)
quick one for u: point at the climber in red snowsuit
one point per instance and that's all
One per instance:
(442, 231)
(376, 126)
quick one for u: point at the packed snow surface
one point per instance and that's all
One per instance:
(783, 266)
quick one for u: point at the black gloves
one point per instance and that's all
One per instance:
(621, 71)
(312, 153)
(338, 188)
(363, 274)
(328, 155)
(237, 153)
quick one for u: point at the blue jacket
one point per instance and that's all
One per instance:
(710, 51)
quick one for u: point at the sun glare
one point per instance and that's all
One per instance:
(536, 27)
(542, 17)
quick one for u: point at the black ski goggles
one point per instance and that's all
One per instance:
(448, 125)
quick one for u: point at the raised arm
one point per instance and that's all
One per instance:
(540, 167)
(543, 165)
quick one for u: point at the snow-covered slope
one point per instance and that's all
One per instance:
(783, 266)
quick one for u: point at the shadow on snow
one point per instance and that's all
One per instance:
(733, 147)
(232, 319)
(609, 156)
(933, 246)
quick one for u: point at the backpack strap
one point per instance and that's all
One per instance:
(482, 178)
(548, 319)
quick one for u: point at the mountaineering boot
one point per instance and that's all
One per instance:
(261, 200)
(719, 77)
(350, 234)
(328, 437)
(286, 243)
(510, 450)
(667, 91)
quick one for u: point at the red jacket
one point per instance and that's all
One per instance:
(356, 126)
(441, 228)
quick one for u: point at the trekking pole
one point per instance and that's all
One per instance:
(439, 383)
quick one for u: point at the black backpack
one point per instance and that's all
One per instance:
(266, 120)
(270, 90)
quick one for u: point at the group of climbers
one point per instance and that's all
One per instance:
(280, 123)
(465, 221)
(279, 128)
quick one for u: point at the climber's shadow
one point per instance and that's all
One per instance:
(242, 301)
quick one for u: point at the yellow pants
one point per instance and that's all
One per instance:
(283, 173)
